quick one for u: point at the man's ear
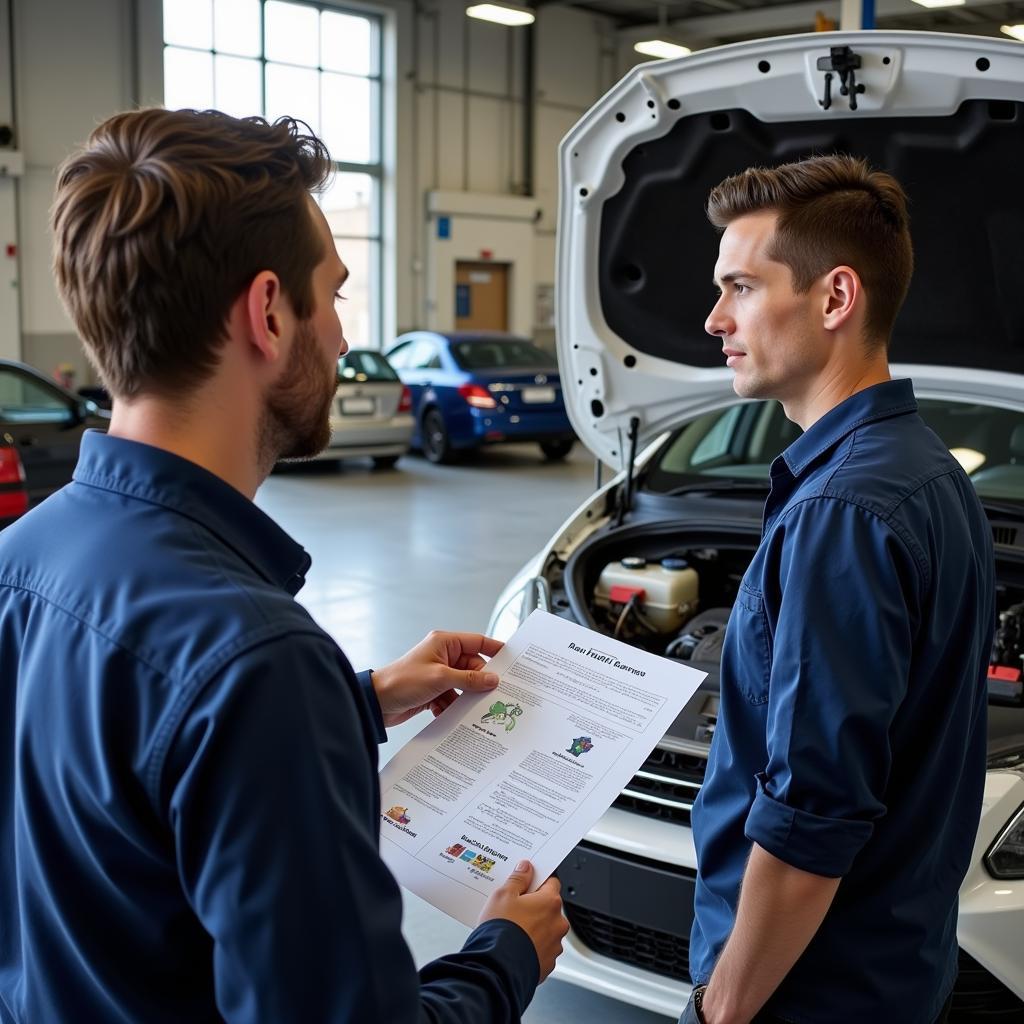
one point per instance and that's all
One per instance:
(844, 295)
(265, 311)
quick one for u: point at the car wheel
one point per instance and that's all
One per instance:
(556, 450)
(437, 446)
(385, 461)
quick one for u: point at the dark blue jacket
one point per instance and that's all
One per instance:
(189, 804)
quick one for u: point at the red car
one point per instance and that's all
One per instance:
(41, 425)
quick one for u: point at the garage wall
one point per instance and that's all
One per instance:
(466, 84)
(74, 63)
(455, 92)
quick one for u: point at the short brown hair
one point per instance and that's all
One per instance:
(163, 219)
(833, 211)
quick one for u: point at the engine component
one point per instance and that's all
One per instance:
(703, 638)
(1005, 685)
(663, 594)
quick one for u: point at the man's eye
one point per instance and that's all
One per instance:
(340, 297)
(740, 288)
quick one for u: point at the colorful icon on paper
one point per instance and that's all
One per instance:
(455, 850)
(580, 745)
(399, 814)
(469, 855)
(483, 863)
(503, 714)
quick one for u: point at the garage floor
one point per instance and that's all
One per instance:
(396, 554)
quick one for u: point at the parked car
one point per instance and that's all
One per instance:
(475, 388)
(635, 257)
(41, 425)
(372, 412)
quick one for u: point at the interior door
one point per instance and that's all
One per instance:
(481, 296)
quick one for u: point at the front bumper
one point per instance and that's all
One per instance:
(991, 923)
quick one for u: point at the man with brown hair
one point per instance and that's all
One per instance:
(189, 804)
(844, 782)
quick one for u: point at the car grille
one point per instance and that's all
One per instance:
(979, 996)
(632, 944)
(665, 786)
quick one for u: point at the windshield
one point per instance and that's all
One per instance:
(741, 441)
(359, 366)
(486, 354)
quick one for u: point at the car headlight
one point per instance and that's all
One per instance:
(506, 620)
(1005, 858)
(533, 594)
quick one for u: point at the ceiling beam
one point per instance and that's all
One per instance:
(767, 21)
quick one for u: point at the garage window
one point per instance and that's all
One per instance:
(320, 64)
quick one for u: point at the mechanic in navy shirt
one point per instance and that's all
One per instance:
(845, 778)
(189, 806)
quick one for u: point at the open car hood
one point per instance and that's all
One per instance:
(944, 113)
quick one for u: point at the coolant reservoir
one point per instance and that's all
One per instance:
(669, 589)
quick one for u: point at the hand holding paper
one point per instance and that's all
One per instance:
(428, 675)
(538, 913)
(525, 770)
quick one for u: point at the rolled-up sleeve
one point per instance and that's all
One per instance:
(843, 619)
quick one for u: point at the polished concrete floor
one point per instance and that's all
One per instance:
(399, 553)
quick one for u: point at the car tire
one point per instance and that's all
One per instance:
(385, 461)
(555, 451)
(437, 445)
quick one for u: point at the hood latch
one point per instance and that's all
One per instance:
(841, 61)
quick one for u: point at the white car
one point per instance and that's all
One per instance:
(646, 391)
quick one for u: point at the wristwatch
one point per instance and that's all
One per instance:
(698, 1002)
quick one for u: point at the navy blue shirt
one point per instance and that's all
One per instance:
(851, 735)
(189, 804)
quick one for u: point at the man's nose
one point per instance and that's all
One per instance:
(717, 323)
(344, 347)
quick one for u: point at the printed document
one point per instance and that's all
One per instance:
(524, 771)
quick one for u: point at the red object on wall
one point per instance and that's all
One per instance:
(12, 250)
(487, 254)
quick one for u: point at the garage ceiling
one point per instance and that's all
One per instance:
(707, 22)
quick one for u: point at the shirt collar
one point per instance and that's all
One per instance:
(890, 398)
(162, 478)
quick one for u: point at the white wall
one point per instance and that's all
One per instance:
(502, 226)
(454, 87)
(73, 64)
(461, 127)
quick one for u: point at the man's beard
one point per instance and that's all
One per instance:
(296, 418)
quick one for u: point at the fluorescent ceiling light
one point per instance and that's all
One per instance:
(941, 3)
(662, 48)
(1017, 31)
(503, 14)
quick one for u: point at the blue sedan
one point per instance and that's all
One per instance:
(475, 388)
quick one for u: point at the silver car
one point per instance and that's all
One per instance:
(372, 411)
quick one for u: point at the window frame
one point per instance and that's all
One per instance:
(374, 169)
